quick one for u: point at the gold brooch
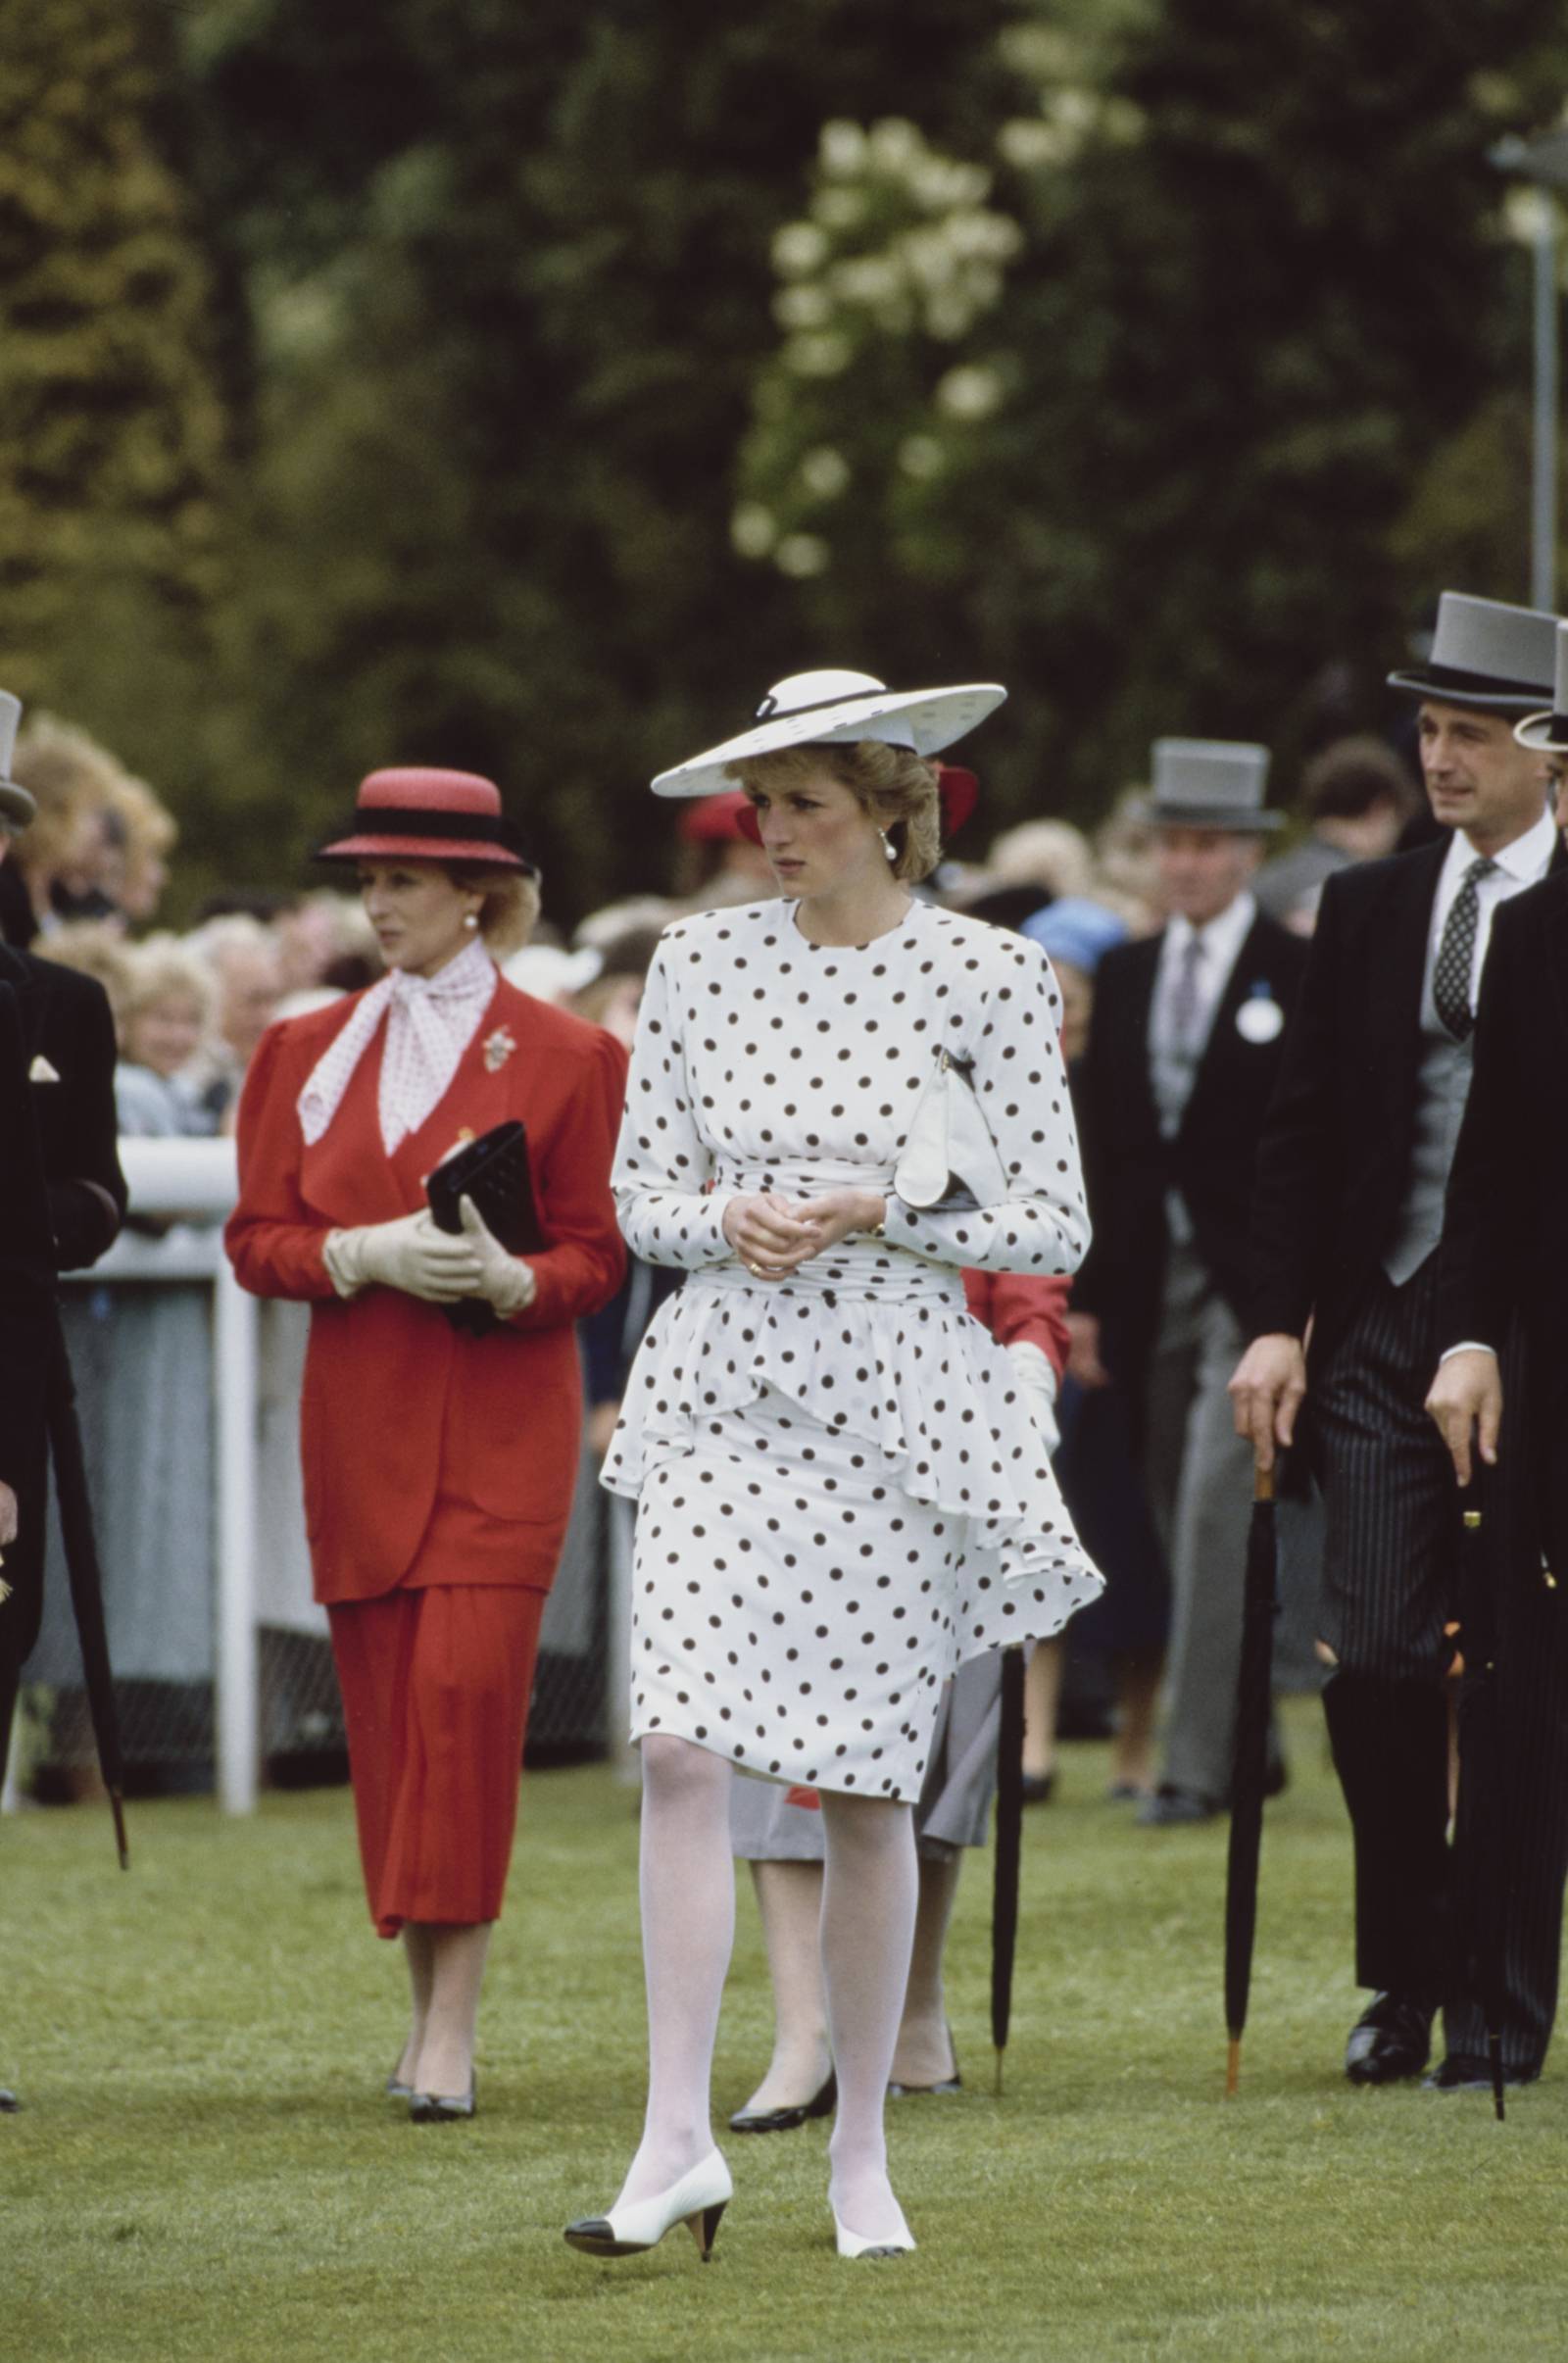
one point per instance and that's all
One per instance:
(498, 1049)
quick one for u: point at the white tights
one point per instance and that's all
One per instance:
(688, 1910)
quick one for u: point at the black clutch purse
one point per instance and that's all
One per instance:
(495, 1172)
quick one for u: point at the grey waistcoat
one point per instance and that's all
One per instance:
(1441, 1094)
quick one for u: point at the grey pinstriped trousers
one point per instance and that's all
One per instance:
(1389, 1581)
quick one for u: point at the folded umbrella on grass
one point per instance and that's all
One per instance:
(1254, 1688)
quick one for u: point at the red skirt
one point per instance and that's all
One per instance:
(435, 1688)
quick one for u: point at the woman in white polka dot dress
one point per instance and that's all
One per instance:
(841, 1493)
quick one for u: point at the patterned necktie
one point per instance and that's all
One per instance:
(1451, 978)
(1182, 1004)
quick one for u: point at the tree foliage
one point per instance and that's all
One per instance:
(1176, 467)
(111, 424)
(527, 387)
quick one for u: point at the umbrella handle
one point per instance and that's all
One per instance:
(1263, 1482)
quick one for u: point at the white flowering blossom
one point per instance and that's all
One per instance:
(802, 555)
(753, 529)
(825, 473)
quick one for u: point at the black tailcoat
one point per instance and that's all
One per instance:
(1505, 1256)
(1130, 1169)
(67, 1124)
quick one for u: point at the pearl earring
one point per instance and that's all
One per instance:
(470, 918)
(888, 846)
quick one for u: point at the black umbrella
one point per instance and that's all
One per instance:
(1010, 1833)
(1254, 1687)
(65, 1445)
(87, 1581)
(1481, 1774)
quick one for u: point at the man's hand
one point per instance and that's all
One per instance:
(1083, 1351)
(1266, 1391)
(1466, 1399)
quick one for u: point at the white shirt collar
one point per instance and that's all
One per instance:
(1524, 860)
(1222, 937)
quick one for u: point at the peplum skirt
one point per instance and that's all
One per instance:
(841, 1497)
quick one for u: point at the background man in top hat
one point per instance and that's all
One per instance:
(57, 1113)
(1353, 1165)
(1184, 1046)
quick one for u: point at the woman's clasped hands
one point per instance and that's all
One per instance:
(773, 1235)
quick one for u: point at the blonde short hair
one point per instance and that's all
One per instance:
(67, 774)
(159, 968)
(510, 909)
(897, 787)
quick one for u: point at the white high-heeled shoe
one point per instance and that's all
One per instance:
(890, 2243)
(696, 2200)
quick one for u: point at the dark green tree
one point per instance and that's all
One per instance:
(112, 422)
(511, 283)
(1203, 445)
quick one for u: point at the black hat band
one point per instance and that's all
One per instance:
(1499, 685)
(395, 820)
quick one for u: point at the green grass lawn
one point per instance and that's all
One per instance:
(205, 2168)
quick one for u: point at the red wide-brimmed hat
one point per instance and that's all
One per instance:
(426, 815)
(958, 793)
(718, 817)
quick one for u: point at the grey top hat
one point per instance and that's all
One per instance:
(1550, 731)
(17, 807)
(1485, 654)
(1212, 783)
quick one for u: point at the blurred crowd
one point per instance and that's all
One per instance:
(87, 884)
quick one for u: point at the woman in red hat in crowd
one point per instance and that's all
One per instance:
(439, 1463)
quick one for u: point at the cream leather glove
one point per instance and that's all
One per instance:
(505, 1282)
(1031, 1367)
(410, 1254)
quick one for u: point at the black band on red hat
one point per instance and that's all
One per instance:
(395, 820)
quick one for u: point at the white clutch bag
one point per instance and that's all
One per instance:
(949, 1163)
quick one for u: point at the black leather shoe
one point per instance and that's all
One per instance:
(1463, 2072)
(1389, 2040)
(785, 2120)
(1172, 1808)
(9, 2103)
(1036, 1787)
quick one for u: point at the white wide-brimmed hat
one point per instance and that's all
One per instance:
(17, 807)
(1550, 731)
(1485, 654)
(832, 707)
(1212, 783)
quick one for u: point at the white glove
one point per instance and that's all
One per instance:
(505, 1282)
(410, 1254)
(1032, 1370)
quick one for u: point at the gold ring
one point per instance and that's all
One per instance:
(755, 1270)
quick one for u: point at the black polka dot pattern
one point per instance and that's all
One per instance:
(841, 1493)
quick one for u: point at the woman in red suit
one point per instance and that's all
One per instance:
(439, 1465)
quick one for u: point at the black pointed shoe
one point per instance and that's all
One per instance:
(1391, 2040)
(785, 2120)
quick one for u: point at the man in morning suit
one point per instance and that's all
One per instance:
(62, 1201)
(1504, 1306)
(1184, 1046)
(1354, 1162)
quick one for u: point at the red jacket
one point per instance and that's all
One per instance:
(1021, 1306)
(399, 1407)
